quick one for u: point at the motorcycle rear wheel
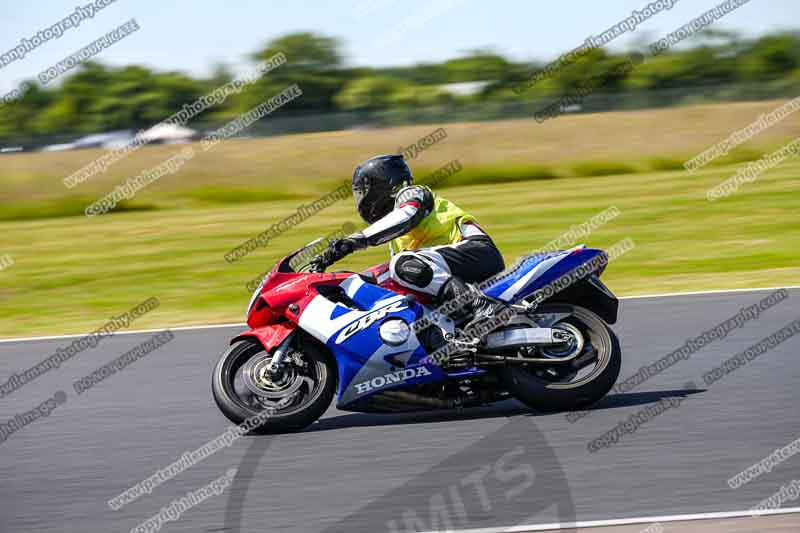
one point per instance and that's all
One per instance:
(306, 400)
(525, 382)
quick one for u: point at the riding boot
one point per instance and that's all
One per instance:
(460, 301)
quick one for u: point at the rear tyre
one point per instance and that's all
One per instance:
(296, 399)
(556, 387)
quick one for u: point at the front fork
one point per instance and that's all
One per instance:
(275, 365)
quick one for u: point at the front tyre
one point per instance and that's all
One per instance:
(296, 397)
(585, 380)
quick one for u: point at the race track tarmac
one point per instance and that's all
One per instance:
(495, 466)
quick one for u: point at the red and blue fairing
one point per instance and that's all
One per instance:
(345, 311)
(350, 329)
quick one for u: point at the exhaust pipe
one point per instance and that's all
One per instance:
(519, 337)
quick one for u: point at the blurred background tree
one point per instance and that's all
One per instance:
(96, 98)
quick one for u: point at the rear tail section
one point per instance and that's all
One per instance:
(551, 272)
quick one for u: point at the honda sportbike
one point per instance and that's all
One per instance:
(315, 335)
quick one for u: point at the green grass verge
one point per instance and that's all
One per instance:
(491, 175)
(201, 196)
(237, 195)
(602, 168)
(666, 163)
(70, 274)
(69, 206)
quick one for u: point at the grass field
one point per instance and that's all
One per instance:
(70, 273)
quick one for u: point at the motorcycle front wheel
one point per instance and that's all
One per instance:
(293, 399)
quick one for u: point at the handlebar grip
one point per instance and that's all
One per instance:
(318, 264)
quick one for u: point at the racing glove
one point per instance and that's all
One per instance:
(341, 248)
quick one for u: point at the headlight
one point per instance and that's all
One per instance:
(394, 331)
(255, 296)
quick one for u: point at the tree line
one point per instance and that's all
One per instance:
(96, 98)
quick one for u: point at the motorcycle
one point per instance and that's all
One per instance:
(382, 347)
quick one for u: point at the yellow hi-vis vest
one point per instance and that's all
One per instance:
(441, 226)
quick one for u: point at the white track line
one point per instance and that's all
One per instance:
(129, 332)
(694, 293)
(631, 521)
(242, 324)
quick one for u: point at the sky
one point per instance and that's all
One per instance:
(194, 35)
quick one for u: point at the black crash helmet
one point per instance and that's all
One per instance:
(375, 183)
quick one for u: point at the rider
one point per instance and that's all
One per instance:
(436, 247)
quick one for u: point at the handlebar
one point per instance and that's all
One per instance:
(327, 258)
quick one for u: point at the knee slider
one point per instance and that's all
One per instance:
(412, 269)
